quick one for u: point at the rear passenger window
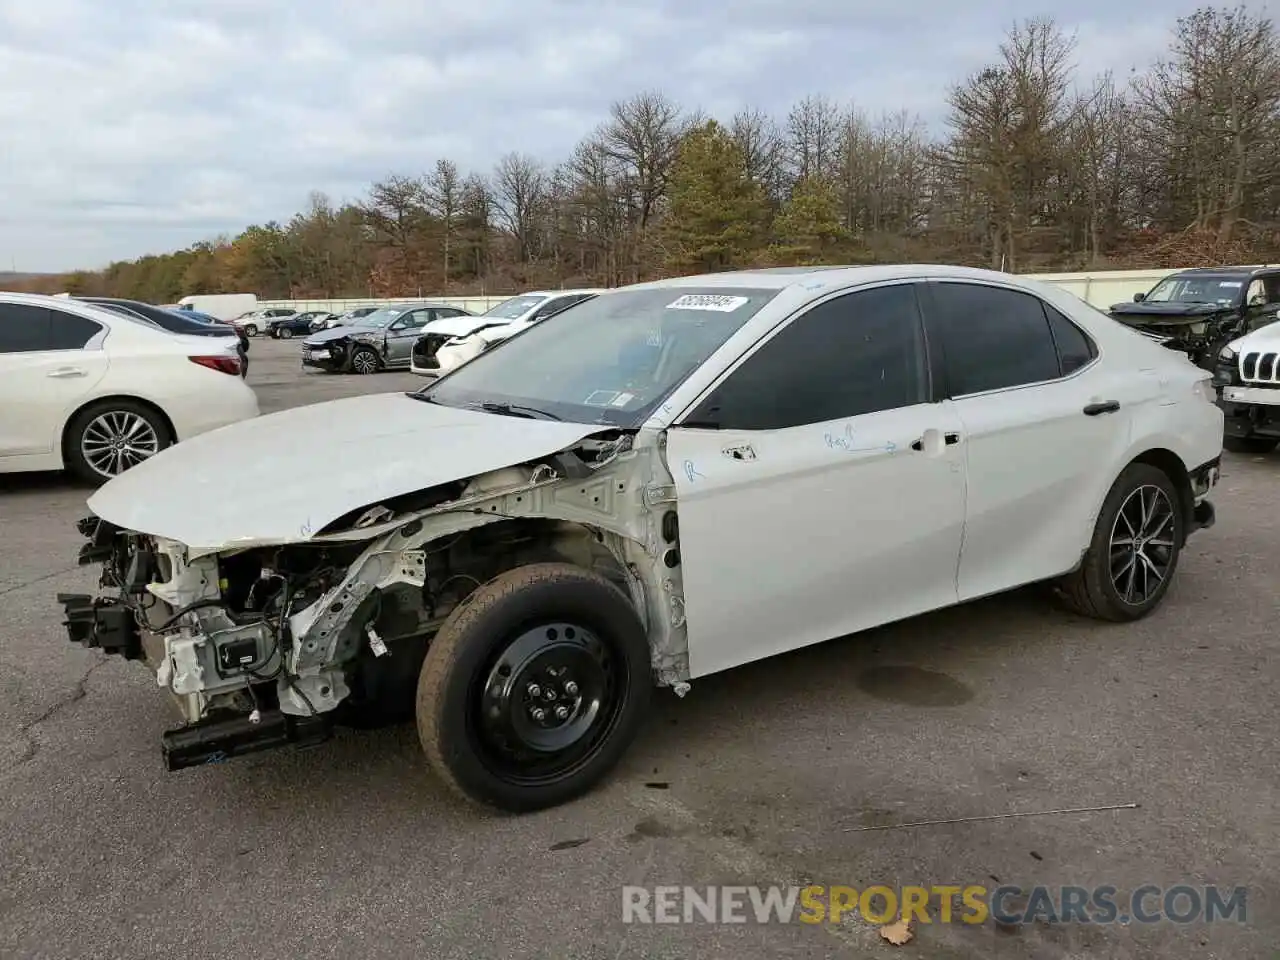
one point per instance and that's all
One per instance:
(1075, 349)
(992, 337)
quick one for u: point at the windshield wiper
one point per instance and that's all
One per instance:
(517, 410)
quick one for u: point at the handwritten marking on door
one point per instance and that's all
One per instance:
(845, 442)
(691, 472)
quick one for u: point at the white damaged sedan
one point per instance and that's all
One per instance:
(654, 486)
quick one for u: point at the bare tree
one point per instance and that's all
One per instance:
(813, 138)
(519, 184)
(444, 196)
(1212, 113)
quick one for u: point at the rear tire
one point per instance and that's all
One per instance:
(90, 450)
(1249, 444)
(1134, 553)
(534, 687)
(251, 329)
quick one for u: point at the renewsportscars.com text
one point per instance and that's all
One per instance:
(940, 903)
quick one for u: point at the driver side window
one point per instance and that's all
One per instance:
(859, 353)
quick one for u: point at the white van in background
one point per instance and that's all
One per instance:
(224, 306)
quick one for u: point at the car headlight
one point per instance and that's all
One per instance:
(1227, 355)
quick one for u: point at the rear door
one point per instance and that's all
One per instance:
(1046, 425)
(49, 362)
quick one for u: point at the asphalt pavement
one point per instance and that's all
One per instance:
(766, 775)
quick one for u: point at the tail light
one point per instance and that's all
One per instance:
(222, 364)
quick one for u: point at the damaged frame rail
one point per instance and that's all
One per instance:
(251, 681)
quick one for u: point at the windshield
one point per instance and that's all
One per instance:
(1223, 289)
(514, 308)
(378, 319)
(610, 360)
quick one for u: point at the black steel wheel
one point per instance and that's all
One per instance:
(534, 687)
(1133, 554)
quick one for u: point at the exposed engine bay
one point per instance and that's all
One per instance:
(268, 644)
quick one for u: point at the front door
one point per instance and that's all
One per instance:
(819, 490)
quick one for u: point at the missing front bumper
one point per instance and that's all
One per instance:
(217, 740)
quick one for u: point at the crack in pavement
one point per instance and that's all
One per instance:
(31, 583)
(27, 730)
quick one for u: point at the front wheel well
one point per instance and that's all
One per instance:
(1171, 465)
(120, 398)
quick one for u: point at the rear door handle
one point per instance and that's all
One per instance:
(63, 373)
(1095, 409)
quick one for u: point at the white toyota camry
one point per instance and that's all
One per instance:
(659, 484)
(96, 391)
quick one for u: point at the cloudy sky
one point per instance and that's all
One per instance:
(136, 126)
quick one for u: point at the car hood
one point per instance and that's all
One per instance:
(1264, 338)
(283, 477)
(338, 333)
(1165, 313)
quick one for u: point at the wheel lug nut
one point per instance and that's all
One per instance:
(561, 712)
(533, 689)
(571, 689)
(538, 714)
(548, 694)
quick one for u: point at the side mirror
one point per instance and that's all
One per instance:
(1139, 297)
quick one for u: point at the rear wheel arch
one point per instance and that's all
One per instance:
(114, 397)
(1172, 466)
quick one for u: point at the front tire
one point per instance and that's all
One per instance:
(105, 439)
(251, 329)
(286, 334)
(1134, 552)
(1249, 444)
(534, 687)
(364, 361)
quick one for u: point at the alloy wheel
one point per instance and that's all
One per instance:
(1142, 546)
(117, 440)
(364, 362)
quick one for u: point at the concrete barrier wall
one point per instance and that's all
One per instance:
(1100, 288)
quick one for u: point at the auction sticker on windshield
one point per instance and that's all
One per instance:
(708, 301)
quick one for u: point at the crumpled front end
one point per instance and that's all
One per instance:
(272, 637)
(213, 631)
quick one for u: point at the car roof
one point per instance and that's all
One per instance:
(1227, 271)
(557, 293)
(820, 278)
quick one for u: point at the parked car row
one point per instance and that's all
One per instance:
(429, 338)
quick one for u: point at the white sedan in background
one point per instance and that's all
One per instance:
(447, 344)
(97, 392)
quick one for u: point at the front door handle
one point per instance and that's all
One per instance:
(1096, 409)
(948, 438)
(63, 373)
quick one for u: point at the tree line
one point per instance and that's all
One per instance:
(1037, 170)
